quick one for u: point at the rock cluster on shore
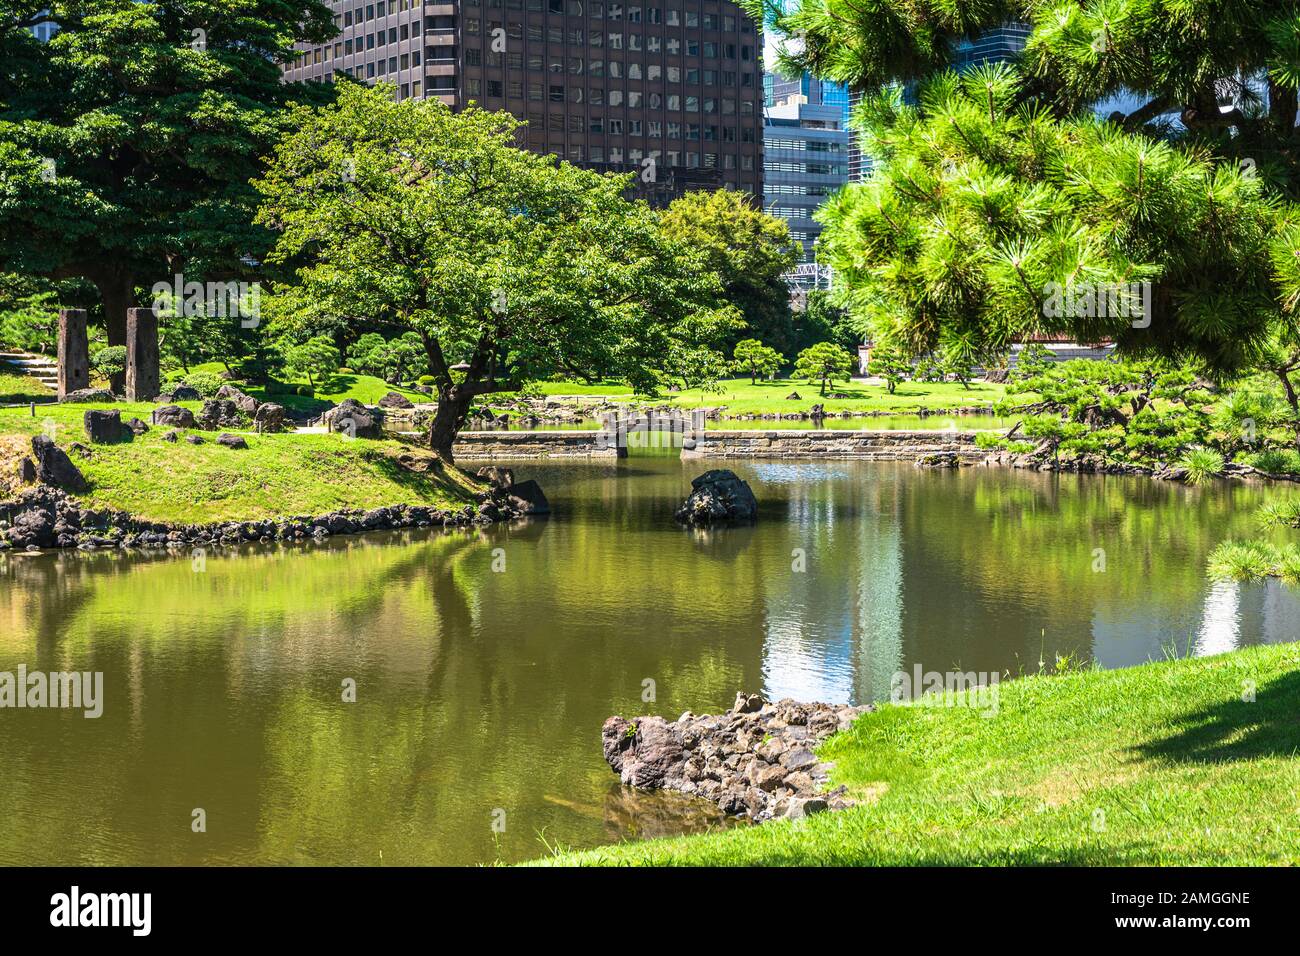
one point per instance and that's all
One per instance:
(756, 760)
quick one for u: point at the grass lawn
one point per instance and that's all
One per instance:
(1159, 764)
(764, 397)
(21, 388)
(366, 389)
(277, 475)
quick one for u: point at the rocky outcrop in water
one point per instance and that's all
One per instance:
(756, 760)
(718, 496)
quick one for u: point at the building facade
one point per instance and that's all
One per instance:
(671, 92)
(805, 157)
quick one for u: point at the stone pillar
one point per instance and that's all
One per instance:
(142, 380)
(74, 352)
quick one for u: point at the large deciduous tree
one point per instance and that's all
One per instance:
(128, 140)
(509, 265)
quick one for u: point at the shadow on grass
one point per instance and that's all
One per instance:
(1268, 726)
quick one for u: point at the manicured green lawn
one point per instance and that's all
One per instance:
(1159, 764)
(366, 389)
(21, 388)
(277, 475)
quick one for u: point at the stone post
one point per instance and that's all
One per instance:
(142, 380)
(74, 352)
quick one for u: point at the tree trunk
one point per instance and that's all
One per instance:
(447, 422)
(117, 293)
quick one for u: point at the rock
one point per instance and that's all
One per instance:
(747, 703)
(26, 470)
(218, 413)
(396, 400)
(183, 393)
(170, 436)
(817, 411)
(245, 403)
(941, 459)
(497, 477)
(353, 419)
(269, 417)
(194, 439)
(173, 416)
(231, 441)
(54, 467)
(794, 397)
(719, 496)
(527, 498)
(798, 809)
(137, 427)
(103, 425)
(83, 395)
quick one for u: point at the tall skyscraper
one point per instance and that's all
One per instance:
(805, 156)
(671, 92)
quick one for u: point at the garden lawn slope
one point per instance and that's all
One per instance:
(1159, 764)
(277, 475)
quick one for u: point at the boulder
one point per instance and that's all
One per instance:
(183, 393)
(194, 439)
(103, 425)
(245, 403)
(269, 417)
(231, 441)
(173, 416)
(137, 427)
(54, 467)
(396, 400)
(218, 413)
(353, 419)
(83, 395)
(170, 436)
(941, 459)
(794, 397)
(527, 498)
(718, 496)
(26, 470)
(497, 477)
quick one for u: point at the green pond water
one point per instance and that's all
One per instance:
(480, 692)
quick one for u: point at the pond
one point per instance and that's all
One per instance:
(485, 662)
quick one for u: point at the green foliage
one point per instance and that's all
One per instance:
(399, 360)
(1276, 461)
(317, 358)
(823, 363)
(749, 250)
(205, 383)
(889, 363)
(32, 325)
(1202, 464)
(110, 361)
(753, 358)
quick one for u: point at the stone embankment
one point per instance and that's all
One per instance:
(815, 444)
(756, 760)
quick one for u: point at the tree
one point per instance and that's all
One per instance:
(999, 183)
(888, 363)
(317, 358)
(110, 361)
(508, 265)
(748, 249)
(824, 363)
(754, 358)
(127, 142)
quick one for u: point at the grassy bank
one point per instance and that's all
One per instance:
(276, 475)
(21, 388)
(1159, 764)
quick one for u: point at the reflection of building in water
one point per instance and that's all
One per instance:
(850, 648)
(1231, 616)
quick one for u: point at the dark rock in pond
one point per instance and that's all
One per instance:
(794, 397)
(755, 759)
(137, 427)
(26, 470)
(349, 417)
(84, 395)
(244, 402)
(231, 441)
(940, 459)
(103, 425)
(173, 416)
(194, 439)
(54, 467)
(269, 417)
(218, 413)
(527, 498)
(396, 400)
(817, 411)
(182, 393)
(719, 496)
(497, 476)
